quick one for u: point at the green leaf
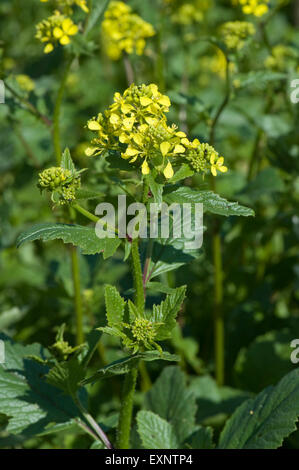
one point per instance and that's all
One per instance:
(201, 439)
(183, 172)
(156, 189)
(212, 202)
(66, 376)
(155, 432)
(159, 287)
(67, 162)
(34, 407)
(171, 400)
(96, 15)
(264, 422)
(115, 305)
(124, 365)
(83, 237)
(167, 311)
(266, 360)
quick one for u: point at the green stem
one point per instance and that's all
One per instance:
(125, 416)
(94, 425)
(126, 411)
(219, 351)
(85, 212)
(57, 109)
(32, 109)
(218, 312)
(77, 295)
(138, 278)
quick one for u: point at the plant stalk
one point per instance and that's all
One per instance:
(57, 109)
(77, 295)
(126, 411)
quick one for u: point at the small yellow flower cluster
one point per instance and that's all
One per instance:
(202, 155)
(253, 7)
(136, 126)
(25, 82)
(57, 29)
(63, 182)
(282, 56)
(235, 33)
(186, 12)
(124, 31)
(66, 5)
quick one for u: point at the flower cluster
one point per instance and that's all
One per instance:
(281, 57)
(124, 31)
(253, 7)
(135, 125)
(57, 29)
(186, 12)
(25, 82)
(62, 183)
(66, 5)
(235, 33)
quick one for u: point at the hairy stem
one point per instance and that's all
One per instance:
(77, 295)
(57, 109)
(126, 411)
(218, 311)
(96, 428)
(219, 350)
(138, 278)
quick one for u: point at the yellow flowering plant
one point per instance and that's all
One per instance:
(257, 8)
(57, 29)
(135, 127)
(124, 31)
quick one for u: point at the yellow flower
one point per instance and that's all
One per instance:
(253, 7)
(123, 31)
(168, 171)
(56, 29)
(135, 127)
(236, 32)
(25, 82)
(217, 164)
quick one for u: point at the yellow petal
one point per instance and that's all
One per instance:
(151, 121)
(49, 48)
(180, 134)
(220, 161)
(138, 139)
(90, 151)
(223, 169)
(67, 24)
(212, 159)
(123, 138)
(114, 119)
(168, 171)
(57, 32)
(164, 147)
(93, 126)
(154, 89)
(65, 40)
(126, 108)
(73, 30)
(213, 171)
(179, 149)
(145, 168)
(164, 100)
(130, 152)
(128, 123)
(185, 142)
(145, 101)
